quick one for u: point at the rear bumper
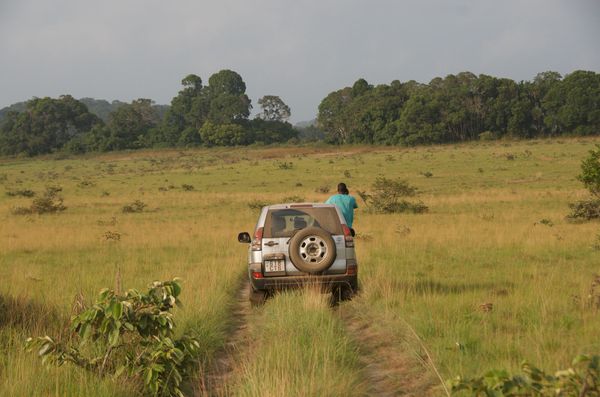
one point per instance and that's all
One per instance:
(325, 281)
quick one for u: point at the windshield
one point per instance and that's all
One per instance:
(283, 223)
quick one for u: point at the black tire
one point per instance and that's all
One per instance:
(312, 250)
(258, 297)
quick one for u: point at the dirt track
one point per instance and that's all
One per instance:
(389, 367)
(216, 379)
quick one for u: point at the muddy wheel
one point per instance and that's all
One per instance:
(312, 250)
(257, 298)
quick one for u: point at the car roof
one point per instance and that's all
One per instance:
(299, 205)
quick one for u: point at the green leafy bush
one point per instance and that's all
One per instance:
(590, 172)
(128, 335)
(389, 196)
(582, 379)
(590, 176)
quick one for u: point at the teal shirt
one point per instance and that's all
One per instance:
(346, 204)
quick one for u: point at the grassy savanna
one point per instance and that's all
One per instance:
(491, 275)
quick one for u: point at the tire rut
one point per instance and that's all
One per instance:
(389, 367)
(216, 379)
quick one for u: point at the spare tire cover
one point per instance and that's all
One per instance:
(312, 250)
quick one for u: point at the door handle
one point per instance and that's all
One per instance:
(271, 243)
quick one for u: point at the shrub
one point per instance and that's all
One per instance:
(388, 196)
(590, 177)
(49, 202)
(257, 204)
(111, 236)
(284, 165)
(487, 136)
(136, 206)
(584, 210)
(22, 193)
(187, 188)
(323, 189)
(293, 199)
(545, 221)
(590, 172)
(582, 379)
(86, 183)
(128, 335)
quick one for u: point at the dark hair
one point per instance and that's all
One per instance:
(342, 189)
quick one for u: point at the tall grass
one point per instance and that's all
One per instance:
(296, 347)
(481, 243)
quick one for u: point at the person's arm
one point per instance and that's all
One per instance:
(354, 203)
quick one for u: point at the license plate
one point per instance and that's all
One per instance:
(275, 265)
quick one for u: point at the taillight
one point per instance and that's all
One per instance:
(351, 270)
(257, 275)
(257, 242)
(348, 236)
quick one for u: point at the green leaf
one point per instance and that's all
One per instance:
(119, 371)
(104, 292)
(85, 331)
(176, 289)
(113, 338)
(580, 358)
(116, 309)
(149, 375)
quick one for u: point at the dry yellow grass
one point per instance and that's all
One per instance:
(483, 242)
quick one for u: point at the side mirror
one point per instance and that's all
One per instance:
(244, 237)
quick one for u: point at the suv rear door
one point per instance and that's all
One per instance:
(280, 225)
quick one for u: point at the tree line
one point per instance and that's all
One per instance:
(216, 114)
(456, 108)
(462, 107)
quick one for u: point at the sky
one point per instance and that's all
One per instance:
(300, 50)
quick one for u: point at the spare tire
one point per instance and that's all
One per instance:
(312, 250)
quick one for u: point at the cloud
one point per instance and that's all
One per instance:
(300, 50)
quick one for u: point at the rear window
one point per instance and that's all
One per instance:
(283, 223)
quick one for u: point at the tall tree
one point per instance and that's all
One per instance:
(226, 82)
(45, 126)
(130, 125)
(228, 101)
(273, 109)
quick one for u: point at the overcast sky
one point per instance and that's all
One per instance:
(298, 49)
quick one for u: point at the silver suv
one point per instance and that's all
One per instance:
(296, 244)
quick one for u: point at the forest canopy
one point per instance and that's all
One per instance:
(455, 108)
(462, 107)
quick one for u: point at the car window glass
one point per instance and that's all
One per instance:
(283, 222)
